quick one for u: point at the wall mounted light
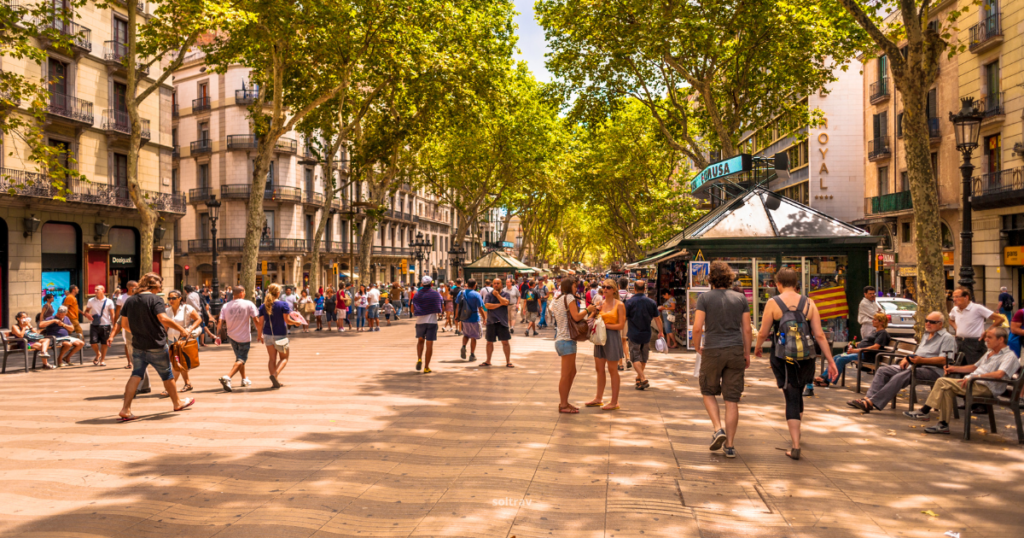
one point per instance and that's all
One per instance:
(101, 229)
(158, 234)
(31, 226)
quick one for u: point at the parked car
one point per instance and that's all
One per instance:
(900, 313)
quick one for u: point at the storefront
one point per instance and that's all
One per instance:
(61, 260)
(759, 233)
(124, 257)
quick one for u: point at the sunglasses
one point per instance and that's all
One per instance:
(930, 321)
(173, 298)
(608, 287)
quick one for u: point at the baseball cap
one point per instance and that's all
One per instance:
(426, 280)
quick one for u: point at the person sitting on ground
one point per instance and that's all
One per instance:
(929, 357)
(869, 347)
(60, 326)
(998, 364)
(23, 329)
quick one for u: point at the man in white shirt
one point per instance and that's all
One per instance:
(866, 312)
(968, 319)
(237, 314)
(373, 308)
(100, 311)
(513, 303)
(290, 297)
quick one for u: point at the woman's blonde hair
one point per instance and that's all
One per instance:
(882, 318)
(273, 292)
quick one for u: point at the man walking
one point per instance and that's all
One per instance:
(237, 315)
(145, 316)
(396, 298)
(471, 306)
(373, 308)
(130, 289)
(71, 302)
(1005, 303)
(426, 305)
(541, 289)
(866, 312)
(100, 311)
(968, 320)
(497, 305)
(532, 308)
(641, 310)
(513, 304)
(723, 318)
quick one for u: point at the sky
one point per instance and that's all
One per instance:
(531, 40)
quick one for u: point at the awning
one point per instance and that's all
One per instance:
(659, 257)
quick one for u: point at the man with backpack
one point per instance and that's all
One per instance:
(470, 310)
(1005, 303)
(722, 317)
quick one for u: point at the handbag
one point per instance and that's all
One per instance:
(578, 330)
(281, 345)
(185, 355)
(308, 308)
(671, 318)
(598, 332)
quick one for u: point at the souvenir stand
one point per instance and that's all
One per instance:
(494, 265)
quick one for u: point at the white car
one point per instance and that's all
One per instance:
(900, 313)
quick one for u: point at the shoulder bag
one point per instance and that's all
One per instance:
(578, 330)
(185, 354)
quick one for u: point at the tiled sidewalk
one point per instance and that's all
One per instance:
(359, 444)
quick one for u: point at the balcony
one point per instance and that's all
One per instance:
(314, 199)
(392, 251)
(200, 195)
(70, 110)
(174, 110)
(992, 106)
(399, 215)
(307, 156)
(286, 145)
(889, 203)
(204, 145)
(201, 104)
(117, 122)
(998, 189)
(31, 184)
(339, 204)
(200, 245)
(987, 34)
(242, 142)
(276, 193)
(81, 36)
(114, 53)
(879, 91)
(236, 244)
(879, 149)
(246, 97)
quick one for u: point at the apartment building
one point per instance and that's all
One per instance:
(888, 207)
(991, 71)
(826, 170)
(91, 236)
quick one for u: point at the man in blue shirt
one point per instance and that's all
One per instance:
(474, 305)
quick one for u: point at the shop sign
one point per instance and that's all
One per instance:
(908, 271)
(728, 167)
(947, 257)
(1013, 256)
(122, 261)
(889, 258)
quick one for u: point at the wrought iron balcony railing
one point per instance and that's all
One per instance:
(286, 145)
(119, 122)
(246, 97)
(888, 203)
(992, 104)
(201, 104)
(200, 195)
(985, 33)
(115, 52)
(22, 183)
(879, 148)
(242, 141)
(81, 36)
(71, 108)
(204, 145)
(271, 193)
(879, 90)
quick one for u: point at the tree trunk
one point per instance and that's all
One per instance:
(147, 213)
(255, 215)
(325, 218)
(366, 248)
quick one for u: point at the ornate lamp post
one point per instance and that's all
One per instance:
(455, 257)
(421, 245)
(213, 205)
(967, 126)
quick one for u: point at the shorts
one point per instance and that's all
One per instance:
(387, 316)
(241, 350)
(497, 332)
(373, 311)
(68, 340)
(721, 372)
(74, 323)
(318, 313)
(272, 343)
(532, 316)
(160, 359)
(331, 314)
(427, 331)
(565, 347)
(471, 329)
(641, 352)
(99, 334)
(127, 342)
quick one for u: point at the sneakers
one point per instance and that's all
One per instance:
(512, 331)
(916, 415)
(246, 382)
(463, 352)
(730, 451)
(717, 440)
(419, 364)
(808, 392)
(472, 357)
(941, 427)
(225, 382)
(427, 370)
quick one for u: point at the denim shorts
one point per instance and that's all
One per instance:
(159, 359)
(565, 347)
(241, 350)
(371, 312)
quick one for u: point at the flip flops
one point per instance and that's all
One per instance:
(187, 405)
(510, 365)
(593, 404)
(128, 418)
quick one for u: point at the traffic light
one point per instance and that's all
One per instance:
(878, 263)
(186, 270)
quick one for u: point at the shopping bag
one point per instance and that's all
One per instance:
(661, 346)
(598, 332)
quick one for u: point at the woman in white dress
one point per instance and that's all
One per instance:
(189, 318)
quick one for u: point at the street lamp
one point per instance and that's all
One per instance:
(421, 245)
(455, 257)
(967, 126)
(213, 206)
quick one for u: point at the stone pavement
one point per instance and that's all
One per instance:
(359, 444)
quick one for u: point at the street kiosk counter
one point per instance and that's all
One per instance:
(759, 233)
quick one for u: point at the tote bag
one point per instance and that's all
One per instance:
(598, 332)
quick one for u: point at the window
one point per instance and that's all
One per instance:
(883, 180)
(883, 64)
(993, 153)
(120, 31)
(309, 181)
(174, 137)
(992, 84)
(204, 226)
(880, 125)
(204, 92)
(904, 181)
(798, 155)
(905, 232)
(268, 225)
(204, 130)
(947, 237)
(309, 228)
(120, 92)
(931, 105)
(58, 75)
(798, 192)
(203, 176)
(175, 186)
(121, 170)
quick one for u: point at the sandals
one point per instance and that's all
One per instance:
(128, 418)
(820, 382)
(641, 385)
(568, 409)
(510, 365)
(594, 404)
(863, 405)
(791, 453)
(610, 408)
(186, 388)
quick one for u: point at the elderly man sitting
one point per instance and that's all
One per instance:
(929, 357)
(60, 327)
(998, 363)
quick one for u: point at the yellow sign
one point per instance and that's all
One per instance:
(947, 257)
(1013, 256)
(908, 271)
(263, 267)
(405, 265)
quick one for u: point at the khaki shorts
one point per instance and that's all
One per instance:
(721, 372)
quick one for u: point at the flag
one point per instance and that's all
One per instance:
(831, 302)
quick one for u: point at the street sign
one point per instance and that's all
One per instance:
(719, 170)
(405, 265)
(263, 268)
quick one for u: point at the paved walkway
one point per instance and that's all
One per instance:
(359, 444)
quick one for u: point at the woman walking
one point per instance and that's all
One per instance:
(343, 298)
(791, 375)
(307, 311)
(449, 306)
(361, 303)
(563, 308)
(189, 318)
(607, 357)
(272, 331)
(330, 309)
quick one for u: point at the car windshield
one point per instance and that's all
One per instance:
(899, 306)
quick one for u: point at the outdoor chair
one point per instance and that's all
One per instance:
(9, 342)
(885, 353)
(1009, 399)
(915, 382)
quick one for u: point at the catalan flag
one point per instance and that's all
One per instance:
(831, 302)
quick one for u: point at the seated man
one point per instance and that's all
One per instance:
(929, 357)
(59, 326)
(998, 363)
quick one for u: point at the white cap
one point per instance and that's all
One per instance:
(426, 280)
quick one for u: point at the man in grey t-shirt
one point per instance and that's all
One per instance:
(723, 318)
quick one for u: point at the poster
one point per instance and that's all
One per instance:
(57, 283)
(700, 273)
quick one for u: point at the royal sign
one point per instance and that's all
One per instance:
(735, 165)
